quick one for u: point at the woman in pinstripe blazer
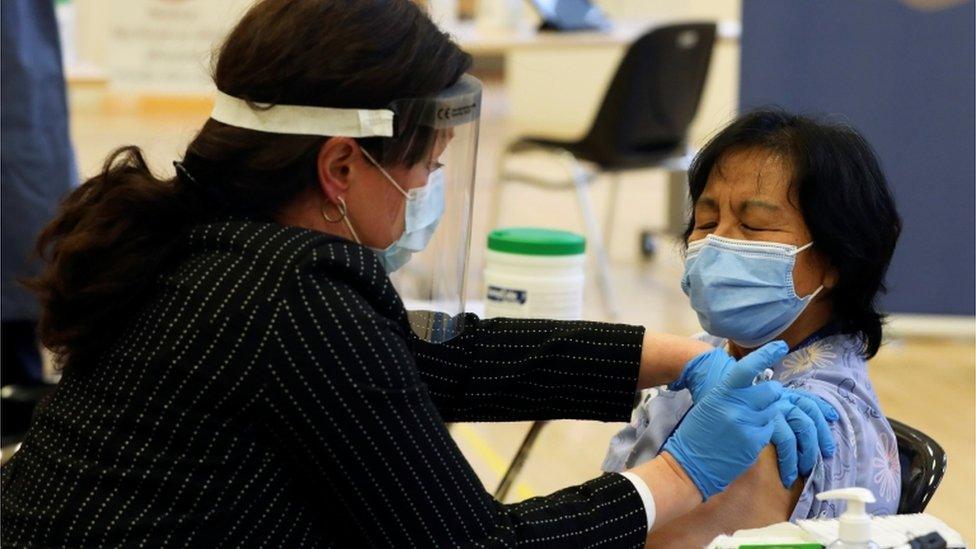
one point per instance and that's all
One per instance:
(239, 371)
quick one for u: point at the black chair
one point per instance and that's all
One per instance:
(642, 123)
(923, 464)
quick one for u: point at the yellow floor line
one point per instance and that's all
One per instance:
(495, 462)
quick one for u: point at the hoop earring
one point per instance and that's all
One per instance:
(341, 206)
(343, 216)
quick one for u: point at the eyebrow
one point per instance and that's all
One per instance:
(711, 203)
(753, 203)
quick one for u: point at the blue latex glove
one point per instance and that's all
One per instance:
(801, 433)
(704, 373)
(805, 416)
(723, 434)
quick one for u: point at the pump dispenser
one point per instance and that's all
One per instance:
(855, 523)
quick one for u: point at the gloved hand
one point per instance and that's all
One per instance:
(805, 416)
(723, 434)
(703, 373)
(801, 433)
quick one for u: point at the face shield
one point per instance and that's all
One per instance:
(435, 135)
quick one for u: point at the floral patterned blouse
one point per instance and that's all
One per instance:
(830, 367)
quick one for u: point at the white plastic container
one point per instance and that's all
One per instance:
(534, 273)
(855, 523)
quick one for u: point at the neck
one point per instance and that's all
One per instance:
(307, 214)
(815, 317)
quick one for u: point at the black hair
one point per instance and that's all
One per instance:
(843, 197)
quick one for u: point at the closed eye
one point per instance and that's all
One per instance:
(706, 226)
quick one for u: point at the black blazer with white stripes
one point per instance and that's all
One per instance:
(270, 392)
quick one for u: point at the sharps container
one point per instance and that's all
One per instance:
(534, 273)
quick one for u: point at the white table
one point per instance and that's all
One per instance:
(478, 40)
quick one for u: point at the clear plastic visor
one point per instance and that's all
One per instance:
(432, 284)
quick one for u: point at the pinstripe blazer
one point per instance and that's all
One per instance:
(270, 392)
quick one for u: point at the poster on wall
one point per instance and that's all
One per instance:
(164, 47)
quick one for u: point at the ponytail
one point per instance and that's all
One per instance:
(111, 238)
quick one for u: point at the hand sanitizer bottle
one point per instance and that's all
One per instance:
(855, 523)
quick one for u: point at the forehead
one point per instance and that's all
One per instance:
(751, 172)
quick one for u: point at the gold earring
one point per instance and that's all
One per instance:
(341, 206)
(343, 211)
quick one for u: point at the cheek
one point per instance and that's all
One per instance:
(381, 208)
(394, 206)
(416, 177)
(807, 274)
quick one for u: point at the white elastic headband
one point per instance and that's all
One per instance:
(302, 120)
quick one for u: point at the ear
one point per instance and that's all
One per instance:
(335, 165)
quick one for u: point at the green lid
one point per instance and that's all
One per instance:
(536, 241)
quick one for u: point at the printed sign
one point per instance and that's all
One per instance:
(165, 46)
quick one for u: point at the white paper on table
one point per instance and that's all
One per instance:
(889, 531)
(892, 531)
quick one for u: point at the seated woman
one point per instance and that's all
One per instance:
(792, 231)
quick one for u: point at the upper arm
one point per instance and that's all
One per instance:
(755, 499)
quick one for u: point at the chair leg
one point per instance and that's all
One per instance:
(581, 182)
(608, 218)
(522, 454)
(498, 189)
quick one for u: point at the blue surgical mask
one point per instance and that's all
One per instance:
(743, 290)
(423, 211)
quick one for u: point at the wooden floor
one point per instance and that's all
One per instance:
(928, 384)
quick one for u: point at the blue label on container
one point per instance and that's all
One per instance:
(506, 295)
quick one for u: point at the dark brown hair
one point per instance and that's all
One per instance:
(122, 226)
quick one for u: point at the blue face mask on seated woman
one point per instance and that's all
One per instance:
(423, 211)
(743, 290)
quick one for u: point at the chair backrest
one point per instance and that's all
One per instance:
(923, 464)
(654, 94)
